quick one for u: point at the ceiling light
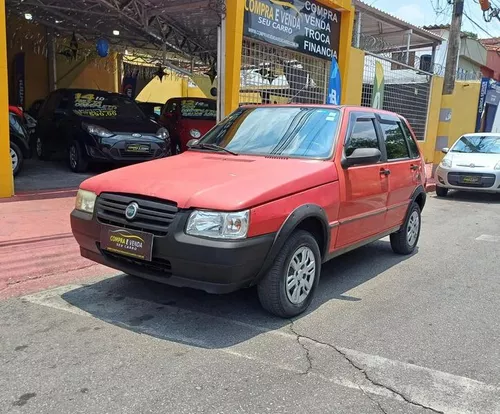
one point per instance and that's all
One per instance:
(116, 32)
(28, 16)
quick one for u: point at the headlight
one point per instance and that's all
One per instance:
(85, 201)
(497, 167)
(97, 130)
(218, 225)
(195, 133)
(163, 134)
(446, 163)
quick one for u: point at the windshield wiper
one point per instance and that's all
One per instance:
(214, 147)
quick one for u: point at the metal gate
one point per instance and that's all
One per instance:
(271, 74)
(406, 91)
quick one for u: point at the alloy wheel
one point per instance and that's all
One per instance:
(15, 159)
(39, 147)
(413, 229)
(300, 275)
(73, 157)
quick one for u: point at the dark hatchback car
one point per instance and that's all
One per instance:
(91, 126)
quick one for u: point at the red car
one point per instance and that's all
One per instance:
(263, 199)
(188, 118)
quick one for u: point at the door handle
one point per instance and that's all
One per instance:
(414, 167)
(384, 171)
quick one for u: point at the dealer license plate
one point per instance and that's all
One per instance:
(138, 148)
(471, 180)
(131, 243)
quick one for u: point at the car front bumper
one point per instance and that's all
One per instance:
(453, 178)
(120, 152)
(179, 259)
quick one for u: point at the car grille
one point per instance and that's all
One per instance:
(153, 216)
(486, 180)
(160, 267)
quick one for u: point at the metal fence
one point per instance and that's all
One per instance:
(270, 74)
(406, 91)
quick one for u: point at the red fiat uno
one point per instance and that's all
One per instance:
(264, 198)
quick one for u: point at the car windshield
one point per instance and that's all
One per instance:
(282, 131)
(478, 144)
(104, 106)
(199, 109)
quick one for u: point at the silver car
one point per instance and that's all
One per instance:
(471, 164)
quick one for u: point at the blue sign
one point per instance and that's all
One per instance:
(335, 85)
(19, 80)
(482, 97)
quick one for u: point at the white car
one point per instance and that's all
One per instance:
(471, 164)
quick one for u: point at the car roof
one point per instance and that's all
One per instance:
(482, 134)
(349, 108)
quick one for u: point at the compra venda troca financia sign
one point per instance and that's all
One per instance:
(302, 26)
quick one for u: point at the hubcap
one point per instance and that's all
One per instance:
(413, 229)
(14, 158)
(177, 149)
(73, 156)
(300, 275)
(39, 146)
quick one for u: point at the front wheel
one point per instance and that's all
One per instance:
(77, 162)
(16, 156)
(441, 191)
(288, 287)
(405, 240)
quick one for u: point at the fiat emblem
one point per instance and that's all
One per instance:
(472, 165)
(131, 211)
(136, 135)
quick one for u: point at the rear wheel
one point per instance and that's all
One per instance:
(406, 239)
(441, 191)
(288, 287)
(16, 156)
(41, 150)
(77, 162)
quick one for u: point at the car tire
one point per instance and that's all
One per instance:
(405, 240)
(441, 191)
(17, 158)
(275, 290)
(41, 151)
(77, 162)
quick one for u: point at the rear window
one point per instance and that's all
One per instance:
(195, 109)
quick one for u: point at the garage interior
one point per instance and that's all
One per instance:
(165, 41)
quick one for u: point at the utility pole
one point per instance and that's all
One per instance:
(450, 73)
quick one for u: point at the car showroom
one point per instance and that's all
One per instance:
(97, 84)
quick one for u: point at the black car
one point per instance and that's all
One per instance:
(35, 107)
(19, 142)
(91, 126)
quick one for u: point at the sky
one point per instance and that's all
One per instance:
(430, 12)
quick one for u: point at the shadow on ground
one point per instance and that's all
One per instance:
(470, 197)
(218, 321)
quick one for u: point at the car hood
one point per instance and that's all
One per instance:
(143, 126)
(479, 160)
(215, 181)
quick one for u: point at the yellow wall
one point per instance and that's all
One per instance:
(99, 73)
(172, 86)
(431, 132)
(6, 179)
(463, 105)
(28, 37)
(354, 87)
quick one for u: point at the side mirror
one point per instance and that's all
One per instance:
(362, 156)
(445, 150)
(192, 142)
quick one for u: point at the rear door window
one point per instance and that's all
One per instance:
(414, 152)
(363, 135)
(395, 141)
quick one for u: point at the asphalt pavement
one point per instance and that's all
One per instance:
(385, 334)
